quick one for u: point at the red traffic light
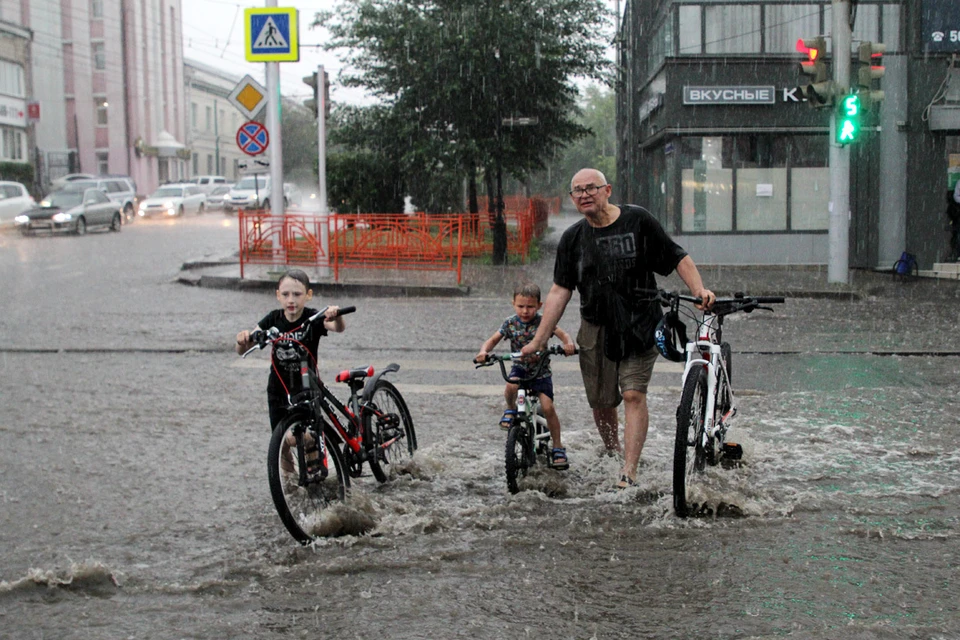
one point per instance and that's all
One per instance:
(810, 48)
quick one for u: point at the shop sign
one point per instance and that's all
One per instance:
(729, 95)
(13, 111)
(941, 25)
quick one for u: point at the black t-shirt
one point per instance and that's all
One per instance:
(621, 258)
(285, 357)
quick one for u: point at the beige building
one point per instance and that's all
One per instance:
(212, 121)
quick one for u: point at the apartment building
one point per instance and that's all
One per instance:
(15, 132)
(109, 81)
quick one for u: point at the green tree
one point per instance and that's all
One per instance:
(597, 149)
(449, 71)
(299, 134)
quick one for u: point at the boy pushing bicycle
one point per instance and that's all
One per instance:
(520, 329)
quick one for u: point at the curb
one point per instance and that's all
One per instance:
(329, 288)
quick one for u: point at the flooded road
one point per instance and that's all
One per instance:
(135, 502)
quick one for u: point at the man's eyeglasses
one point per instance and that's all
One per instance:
(590, 190)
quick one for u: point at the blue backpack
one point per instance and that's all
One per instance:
(906, 265)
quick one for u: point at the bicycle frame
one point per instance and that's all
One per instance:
(704, 351)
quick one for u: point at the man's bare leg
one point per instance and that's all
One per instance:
(608, 427)
(636, 422)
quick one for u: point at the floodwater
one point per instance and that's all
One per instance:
(135, 502)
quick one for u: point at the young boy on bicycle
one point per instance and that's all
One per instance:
(520, 329)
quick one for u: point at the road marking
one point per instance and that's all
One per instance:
(662, 366)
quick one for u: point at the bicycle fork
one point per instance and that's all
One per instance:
(707, 354)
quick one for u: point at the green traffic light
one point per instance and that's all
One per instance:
(848, 124)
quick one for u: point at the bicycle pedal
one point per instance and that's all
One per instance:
(732, 451)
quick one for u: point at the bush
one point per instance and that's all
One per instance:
(17, 172)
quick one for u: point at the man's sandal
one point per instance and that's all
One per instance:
(625, 481)
(558, 459)
(507, 420)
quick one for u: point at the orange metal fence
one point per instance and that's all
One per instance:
(382, 241)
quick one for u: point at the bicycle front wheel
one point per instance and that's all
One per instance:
(520, 455)
(305, 480)
(689, 456)
(388, 434)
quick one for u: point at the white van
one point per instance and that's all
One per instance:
(209, 183)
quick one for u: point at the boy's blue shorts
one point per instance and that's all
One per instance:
(540, 385)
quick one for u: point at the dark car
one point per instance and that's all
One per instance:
(73, 210)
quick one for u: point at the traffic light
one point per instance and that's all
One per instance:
(822, 91)
(870, 55)
(326, 94)
(311, 103)
(848, 119)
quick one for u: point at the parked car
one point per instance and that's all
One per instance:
(62, 181)
(250, 192)
(71, 210)
(121, 190)
(174, 200)
(215, 197)
(14, 200)
(209, 183)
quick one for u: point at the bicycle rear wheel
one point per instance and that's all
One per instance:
(689, 456)
(388, 433)
(302, 498)
(520, 455)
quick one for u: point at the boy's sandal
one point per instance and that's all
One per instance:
(558, 459)
(507, 420)
(625, 481)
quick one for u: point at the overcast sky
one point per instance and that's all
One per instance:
(213, 33)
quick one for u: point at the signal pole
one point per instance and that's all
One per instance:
(838, 267)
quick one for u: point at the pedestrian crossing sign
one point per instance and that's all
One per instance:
(272, 34)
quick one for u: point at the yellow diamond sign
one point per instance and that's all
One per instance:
(249, 97)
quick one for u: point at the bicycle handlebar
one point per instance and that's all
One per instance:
(263, 337)
(721, 306)
(492, 358)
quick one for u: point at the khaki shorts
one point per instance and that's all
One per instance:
(603, 379)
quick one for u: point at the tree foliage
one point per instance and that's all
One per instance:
(448, 71)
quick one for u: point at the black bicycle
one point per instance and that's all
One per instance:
(528, 437)
(323, 441)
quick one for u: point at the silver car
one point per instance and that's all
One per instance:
(71, 210)
(174, 200)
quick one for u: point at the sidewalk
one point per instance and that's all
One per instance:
(484, 280)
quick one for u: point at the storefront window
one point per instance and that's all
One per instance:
(753, 183)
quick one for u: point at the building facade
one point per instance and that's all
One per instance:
(719, 143)
(15, 131)
(212, 121)
(109, 85)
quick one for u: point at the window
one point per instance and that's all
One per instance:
(194, 116)
(99, 54)
(787, 23)
(691, 26)
(13, 141)
(758, 182)
(103, 164)
(196, 163)
(11, 79)
(209, 118)
(732, 28)
(209, 164)
(96, 8)
(101, 106)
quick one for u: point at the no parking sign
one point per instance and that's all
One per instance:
(252, 138)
